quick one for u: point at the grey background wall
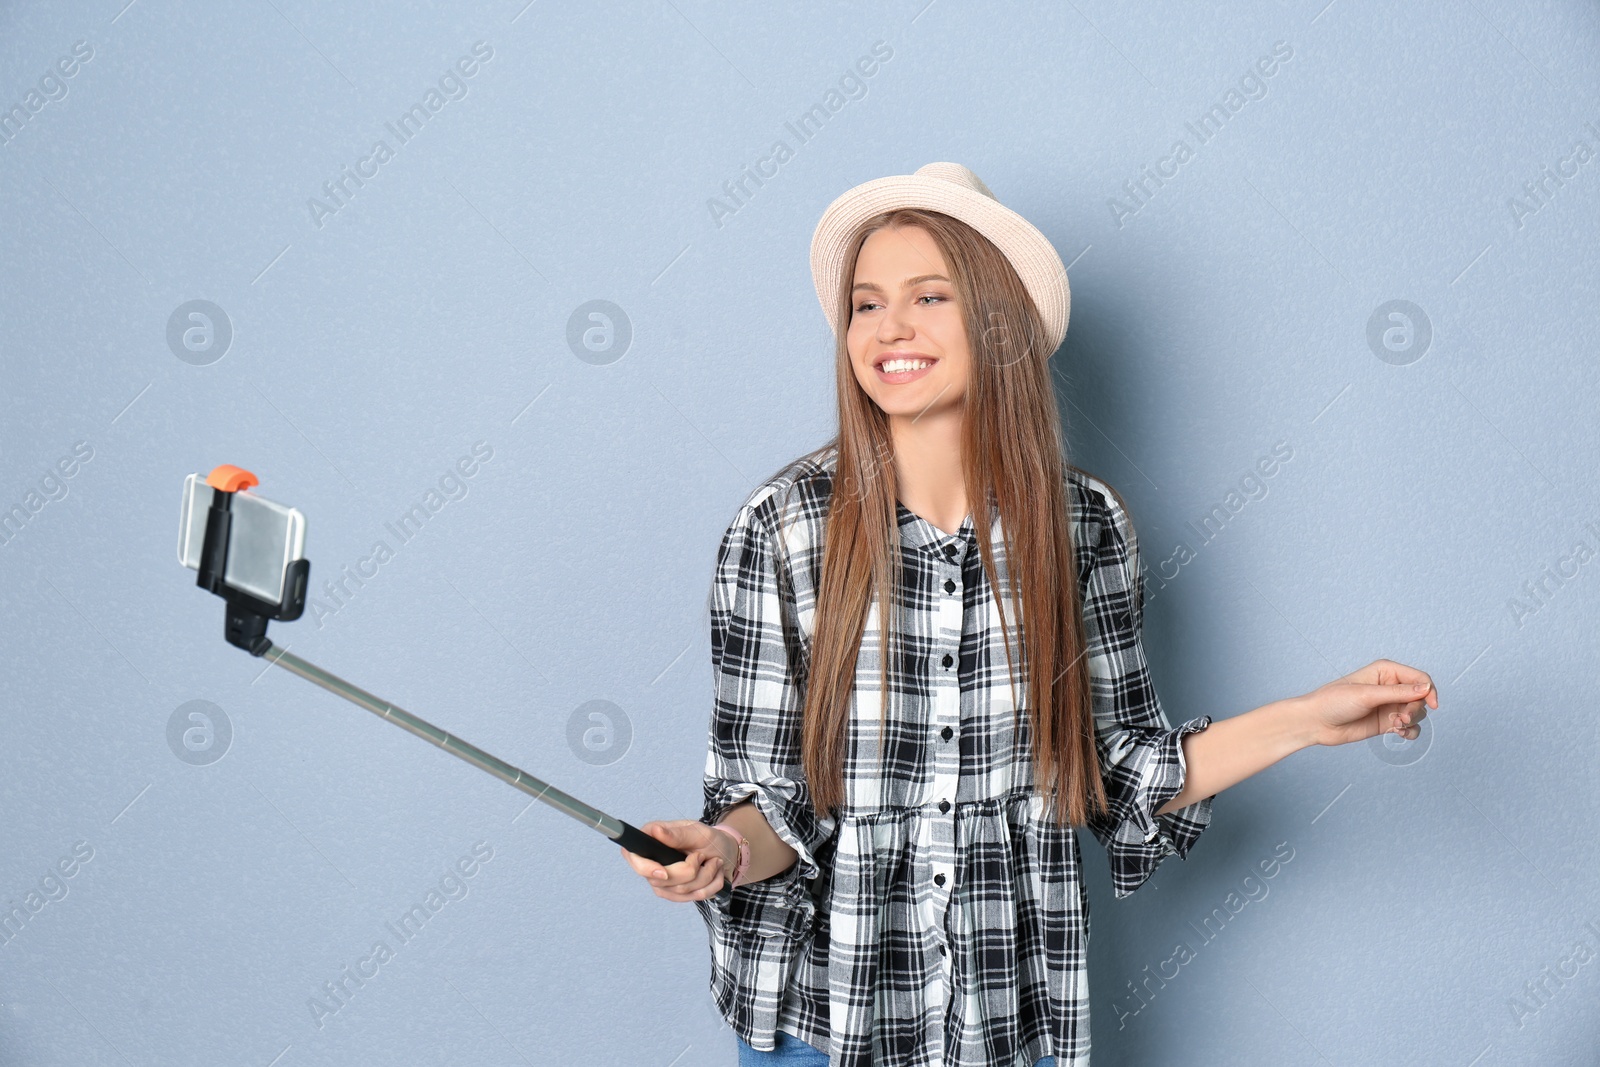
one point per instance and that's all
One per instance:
(1336, 351)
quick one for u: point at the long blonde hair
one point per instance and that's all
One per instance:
(1012, 460)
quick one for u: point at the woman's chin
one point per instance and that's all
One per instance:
(908, 404)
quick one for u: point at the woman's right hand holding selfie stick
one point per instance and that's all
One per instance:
(742, 848)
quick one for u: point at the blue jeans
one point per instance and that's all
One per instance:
(792, 1052)
(789, 1052)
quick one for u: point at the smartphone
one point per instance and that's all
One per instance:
(264, 539)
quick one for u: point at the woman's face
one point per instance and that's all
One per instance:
(905, 314)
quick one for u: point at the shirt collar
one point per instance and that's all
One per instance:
(918, 533)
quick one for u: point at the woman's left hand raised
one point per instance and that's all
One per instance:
(1382, 697)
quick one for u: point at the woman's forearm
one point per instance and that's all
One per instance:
(769, 853)
(1230, 750)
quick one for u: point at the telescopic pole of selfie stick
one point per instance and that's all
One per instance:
(246, 627)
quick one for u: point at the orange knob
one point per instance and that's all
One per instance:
(231, 479)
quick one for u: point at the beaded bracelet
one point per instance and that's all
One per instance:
(744, 852)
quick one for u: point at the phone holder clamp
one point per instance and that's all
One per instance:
(246, 616)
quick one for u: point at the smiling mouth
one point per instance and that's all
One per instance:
(901, 363)
(897, 370)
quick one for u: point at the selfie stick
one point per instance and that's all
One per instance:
(245, 626)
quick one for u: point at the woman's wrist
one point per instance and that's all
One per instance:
(1298, 718)
(735, 852)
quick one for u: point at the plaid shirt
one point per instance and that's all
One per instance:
(940, 917)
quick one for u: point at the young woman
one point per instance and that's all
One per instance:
(887, 863)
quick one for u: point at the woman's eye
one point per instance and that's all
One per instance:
(863, 306)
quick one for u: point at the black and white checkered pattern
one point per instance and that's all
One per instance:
(940, 917)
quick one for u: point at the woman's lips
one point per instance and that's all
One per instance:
(902, 377)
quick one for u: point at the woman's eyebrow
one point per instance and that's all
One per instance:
(908, 283)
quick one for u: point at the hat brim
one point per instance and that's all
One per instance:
(1032, 255)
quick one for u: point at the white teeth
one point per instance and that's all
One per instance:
(896, 366)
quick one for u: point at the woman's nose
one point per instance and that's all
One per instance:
(894, 325)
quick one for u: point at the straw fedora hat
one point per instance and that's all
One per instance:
(955, 191)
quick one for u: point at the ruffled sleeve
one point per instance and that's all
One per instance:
(758, 669)
(1141, 755)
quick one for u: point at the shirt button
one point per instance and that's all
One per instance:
(946, 732)
(949, 586)
(944, 807)
(938, 879)
(941, 950)
(950, 550)
(947, 660)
